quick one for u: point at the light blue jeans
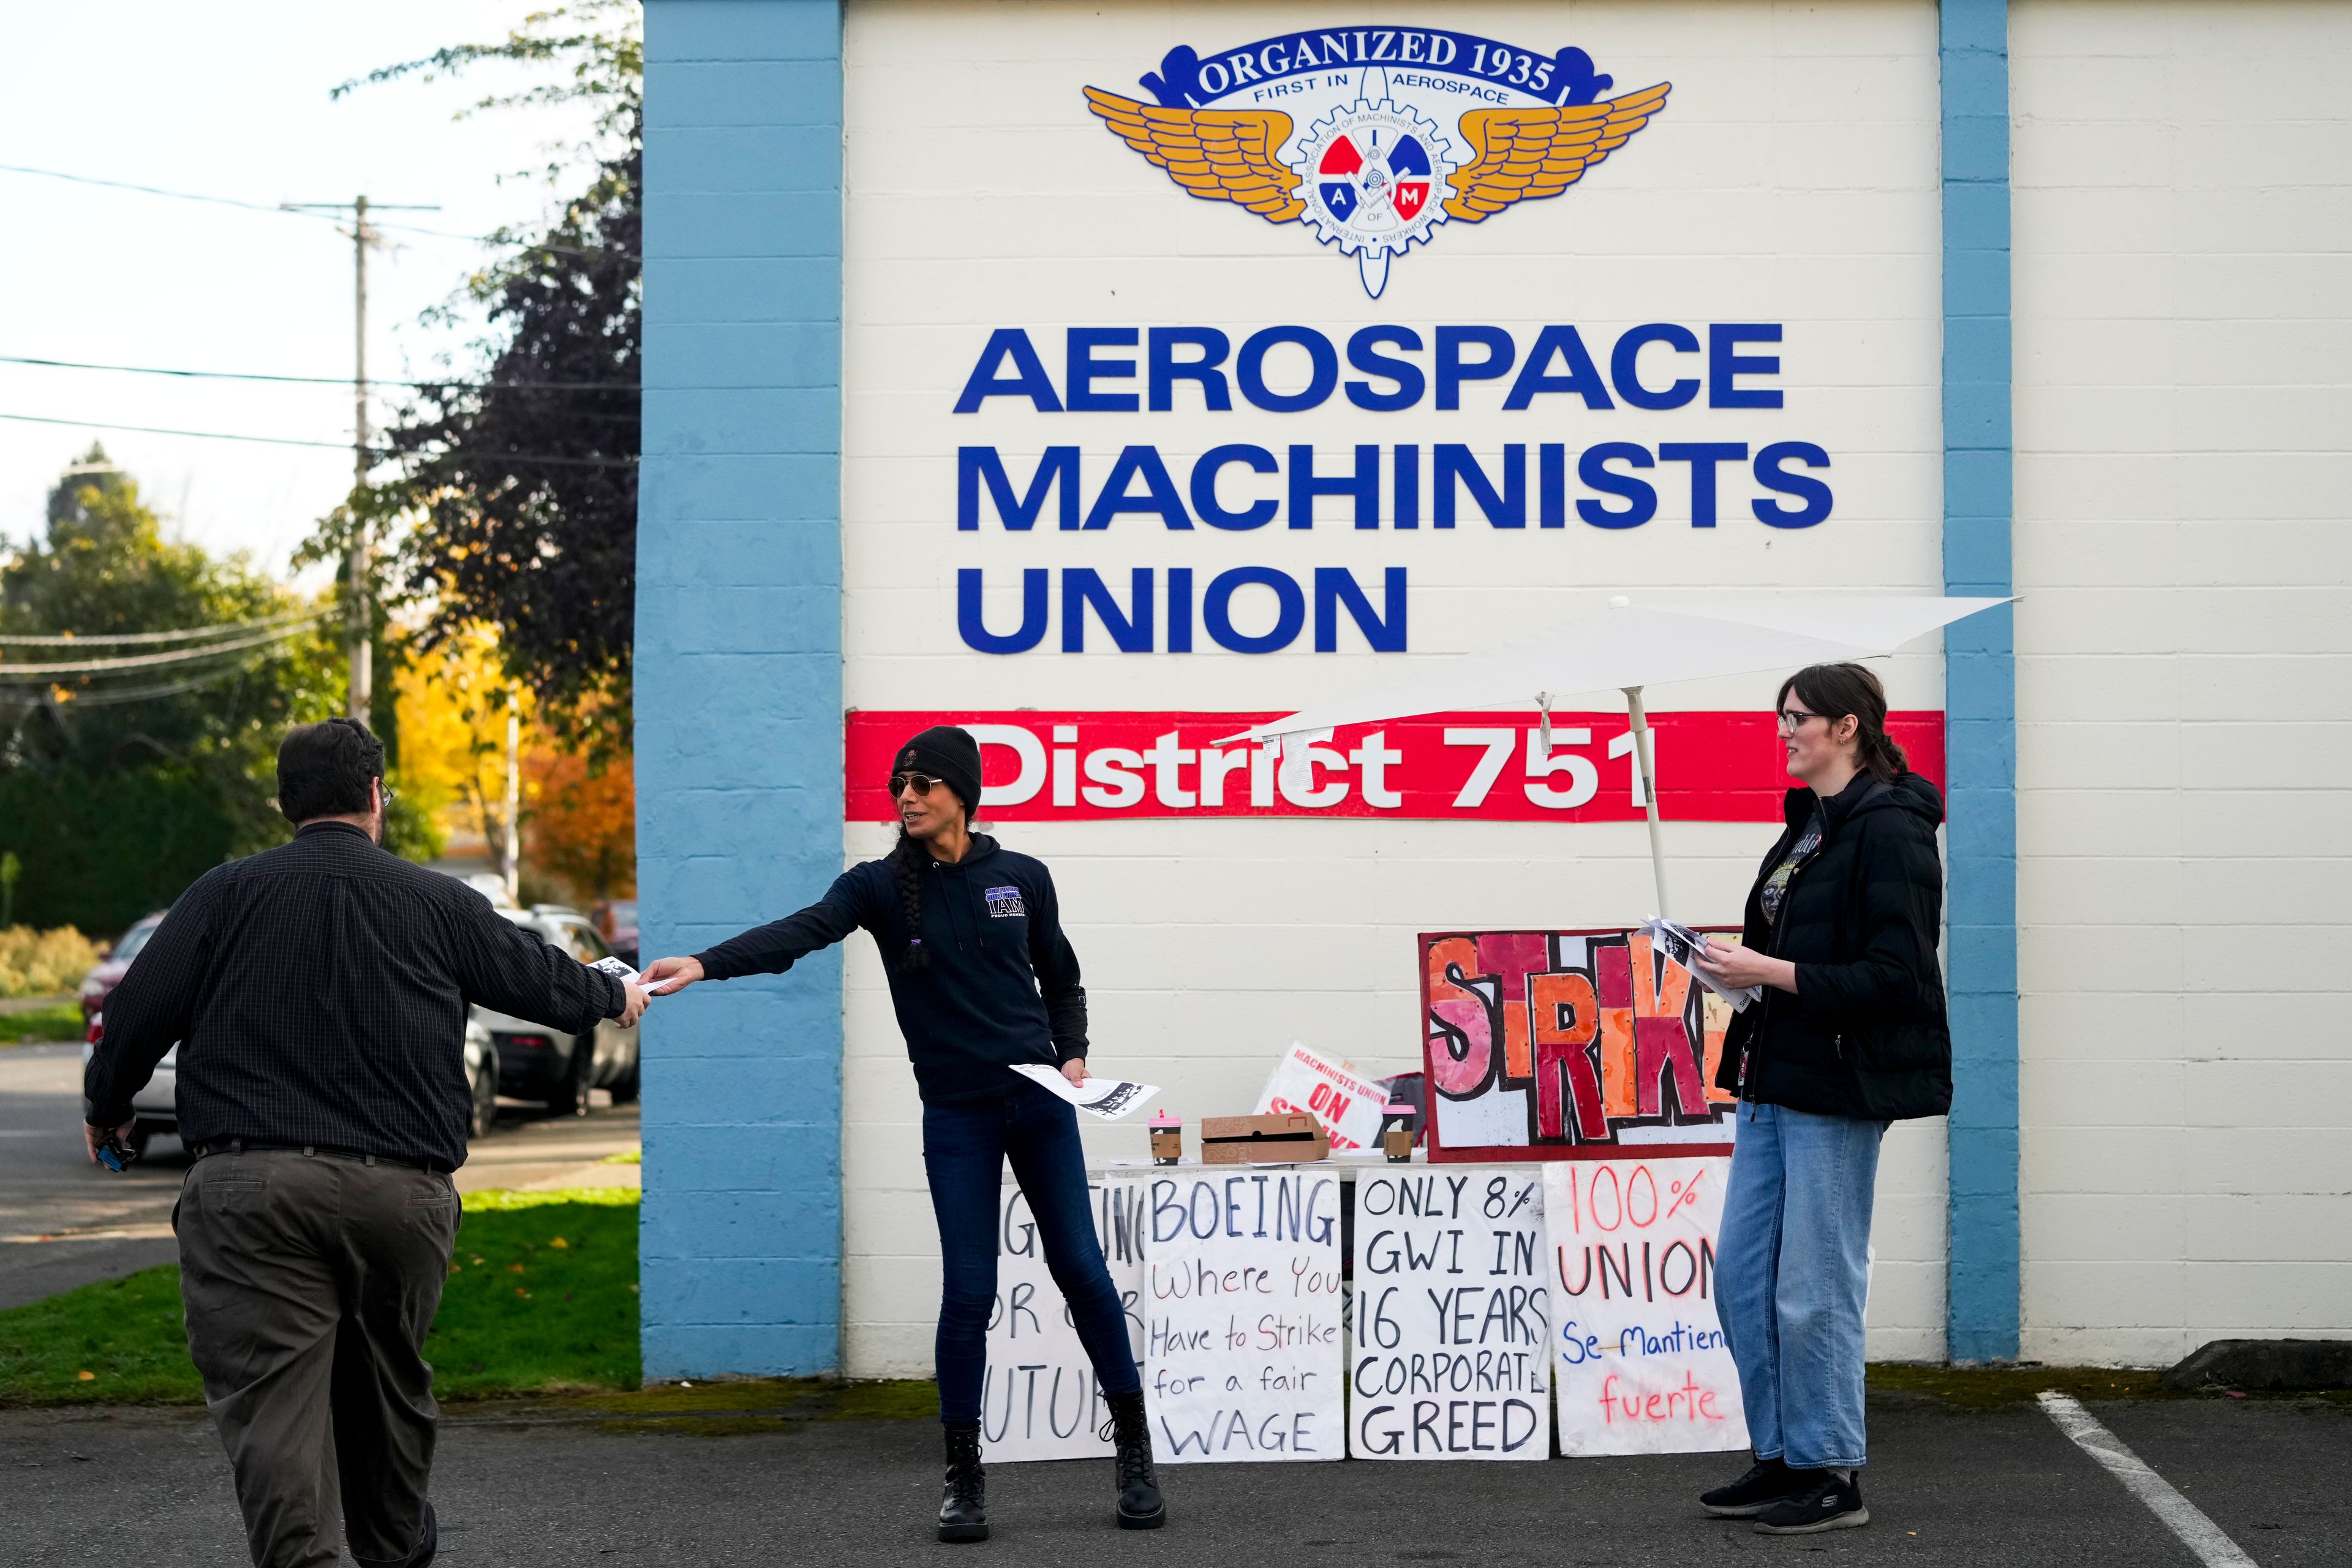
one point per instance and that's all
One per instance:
(1792, 1277)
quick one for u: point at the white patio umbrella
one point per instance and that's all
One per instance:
(1628, 647)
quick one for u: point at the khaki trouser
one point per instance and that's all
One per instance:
(309, 1282)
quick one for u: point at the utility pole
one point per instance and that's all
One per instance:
(361, 620)
(512, 856)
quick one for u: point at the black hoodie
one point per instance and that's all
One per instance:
(1003, 982)
(1864, 1034)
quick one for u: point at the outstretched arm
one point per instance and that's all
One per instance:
(770, 949)
(506, 967)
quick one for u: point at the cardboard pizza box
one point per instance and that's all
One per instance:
(1262, 1139)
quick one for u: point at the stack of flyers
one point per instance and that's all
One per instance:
(1682, 944)
(627, 976)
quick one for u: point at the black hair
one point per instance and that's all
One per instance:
(909, 858)
(906, 857)
(1835, 690)
(324, 769)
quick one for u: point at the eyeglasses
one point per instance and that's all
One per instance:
(921, 783)
(390, 794)
(1791, 718)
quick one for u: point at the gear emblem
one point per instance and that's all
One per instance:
(1374, 179)
(1308, 128)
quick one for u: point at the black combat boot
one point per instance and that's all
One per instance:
(963, 1509)
(1139, 1507)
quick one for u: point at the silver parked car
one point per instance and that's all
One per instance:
(536, 1062)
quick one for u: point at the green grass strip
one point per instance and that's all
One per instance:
(542, 1298)
(119, 1341)
(61, 1025)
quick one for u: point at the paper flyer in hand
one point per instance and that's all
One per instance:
(627, 976)
(1107, 1098)
(1682, 944)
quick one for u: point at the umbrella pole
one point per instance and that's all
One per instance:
(1648, 789)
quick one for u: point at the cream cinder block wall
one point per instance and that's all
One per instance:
(2183, 313)
(1793, 180)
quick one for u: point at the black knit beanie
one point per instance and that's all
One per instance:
(948, 754)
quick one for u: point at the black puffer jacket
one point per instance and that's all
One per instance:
(1864, 1034)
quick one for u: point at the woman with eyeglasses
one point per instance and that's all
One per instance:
(1848, 1036)
(981, 978)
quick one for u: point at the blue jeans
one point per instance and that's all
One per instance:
(964, 1150)
(1791, 1278)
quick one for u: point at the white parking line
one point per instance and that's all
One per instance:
(2183, 1518)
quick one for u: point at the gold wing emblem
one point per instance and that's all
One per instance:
(1218, 154)
(1526, 154)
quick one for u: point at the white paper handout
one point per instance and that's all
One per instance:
(627, 976)
(1682, 944)
(1109, 1098)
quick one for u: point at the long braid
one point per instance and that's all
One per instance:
(906, 858)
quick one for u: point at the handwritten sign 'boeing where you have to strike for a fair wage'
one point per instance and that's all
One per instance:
(1241, 1304)
(1642, 1365)
(1451, 1359)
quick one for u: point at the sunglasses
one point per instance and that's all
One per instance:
(921, 783)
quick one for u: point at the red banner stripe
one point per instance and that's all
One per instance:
(1044, 766)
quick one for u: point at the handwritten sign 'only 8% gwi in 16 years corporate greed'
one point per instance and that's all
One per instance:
(1451, 1321)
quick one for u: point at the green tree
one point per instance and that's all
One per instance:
(118, 787)
(515, 502)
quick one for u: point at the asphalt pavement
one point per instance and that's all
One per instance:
(524, 1488)
(64, 1222)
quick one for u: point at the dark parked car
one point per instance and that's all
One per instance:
(99, 982)
(547, 1064)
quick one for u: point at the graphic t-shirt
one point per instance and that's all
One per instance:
(1776, 886)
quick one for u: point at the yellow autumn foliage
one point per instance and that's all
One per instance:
(43, 962)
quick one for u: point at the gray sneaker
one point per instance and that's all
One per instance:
(1825, 1502)
(1766, 1483)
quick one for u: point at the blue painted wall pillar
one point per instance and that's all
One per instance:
(739, 677)
(1980, 685)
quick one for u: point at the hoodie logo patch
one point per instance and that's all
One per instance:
(1004, 903)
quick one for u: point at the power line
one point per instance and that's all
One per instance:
(381, 453)
(224, 628)
(160, 430)
(223, 201)
(103, 697)
(280, 210)
(319, 380)
(18, 674)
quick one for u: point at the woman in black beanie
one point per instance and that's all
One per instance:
(981, 978)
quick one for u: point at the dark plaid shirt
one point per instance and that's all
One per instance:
(318, 993)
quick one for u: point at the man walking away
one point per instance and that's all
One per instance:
(318, 993)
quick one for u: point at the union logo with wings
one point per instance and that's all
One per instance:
(1346, 130)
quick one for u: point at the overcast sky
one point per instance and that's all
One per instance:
(232, 101)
